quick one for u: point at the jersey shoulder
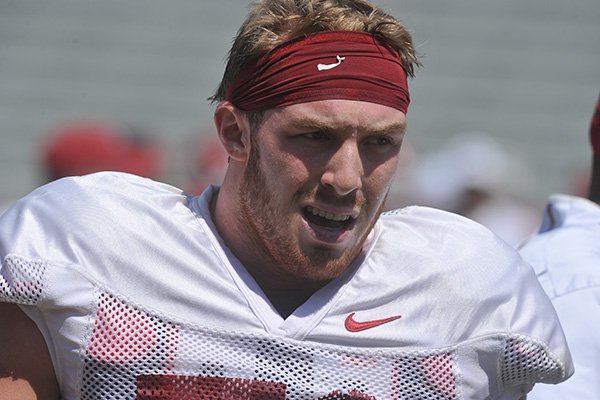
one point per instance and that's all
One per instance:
(451, 250)
(104, 213)
(110, 230)
(438, 228)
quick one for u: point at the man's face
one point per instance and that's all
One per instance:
(316, 181)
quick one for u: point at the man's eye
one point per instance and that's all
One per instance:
(381, 141)
(315, 135)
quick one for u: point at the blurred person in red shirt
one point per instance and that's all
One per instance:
(86, 146)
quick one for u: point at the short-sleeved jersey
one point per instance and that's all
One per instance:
(565, 253)
(138, 297)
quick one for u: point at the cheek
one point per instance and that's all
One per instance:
(287, 171)
(382, 175)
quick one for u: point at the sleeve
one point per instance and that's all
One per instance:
(37, 274)
(22, 276)
(580, 323)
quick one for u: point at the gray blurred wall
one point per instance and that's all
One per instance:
(526, 72)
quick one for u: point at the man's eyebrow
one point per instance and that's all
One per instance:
(393, 128)
(310, 123)
(314, 124)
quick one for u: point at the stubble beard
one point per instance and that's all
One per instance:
(257, 205)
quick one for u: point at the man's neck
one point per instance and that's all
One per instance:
(286, 301)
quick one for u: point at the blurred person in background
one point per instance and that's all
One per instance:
(286, 281)
(85, 146)
(565, 253)
(474, 176)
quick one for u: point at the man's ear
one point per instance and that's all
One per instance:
(233, 130)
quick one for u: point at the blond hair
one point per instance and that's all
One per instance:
(272, 22)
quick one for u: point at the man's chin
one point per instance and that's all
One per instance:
(326, 262)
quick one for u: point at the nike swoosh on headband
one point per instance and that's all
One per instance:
(324, 67)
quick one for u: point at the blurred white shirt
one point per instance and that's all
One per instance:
(565, 254)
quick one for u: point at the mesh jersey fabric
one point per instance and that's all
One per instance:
(565, 254)
(138, 298)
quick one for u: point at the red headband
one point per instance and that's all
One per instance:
(322, 66)
(595, 129)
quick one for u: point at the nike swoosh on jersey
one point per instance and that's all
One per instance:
(353, 325)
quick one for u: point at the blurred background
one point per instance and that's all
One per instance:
(502, 105)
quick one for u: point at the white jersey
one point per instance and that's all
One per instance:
(138, 298)
(565, 254)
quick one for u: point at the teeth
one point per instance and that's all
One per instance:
(327, 215)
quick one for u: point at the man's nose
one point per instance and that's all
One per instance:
(344, 171)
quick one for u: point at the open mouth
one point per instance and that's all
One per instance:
(324, 219)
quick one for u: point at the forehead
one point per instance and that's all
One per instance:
(338, 115)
